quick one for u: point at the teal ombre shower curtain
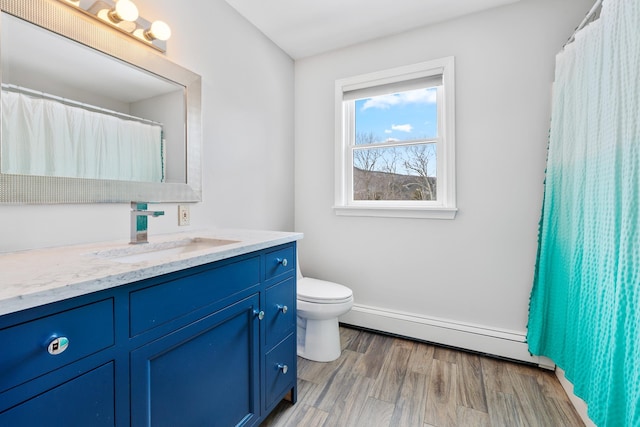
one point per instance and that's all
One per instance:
(585, 304)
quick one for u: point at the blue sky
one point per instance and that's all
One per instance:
(401, 116)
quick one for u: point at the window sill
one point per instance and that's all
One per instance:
(397, 212)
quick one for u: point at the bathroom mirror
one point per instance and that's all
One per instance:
(51, 54)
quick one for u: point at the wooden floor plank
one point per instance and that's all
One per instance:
(550, 386)
(320, 372)
(307, 416)
(468, 417)
(503, 409)
(421, 358)
(347, 336)
(441, 406)
(370, 364)
(410, 406)
(495, 375)
(471, 392)
(337, 386)
(564, 412)
(388, 384)
(533, 407)
(359, 342)
(375, 413)
(446, 354)
(349, 413)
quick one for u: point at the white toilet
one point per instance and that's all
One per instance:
(319, 304)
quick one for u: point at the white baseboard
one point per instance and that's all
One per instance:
(493, 341)
(579, 404)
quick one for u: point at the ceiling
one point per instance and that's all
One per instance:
(304, 28)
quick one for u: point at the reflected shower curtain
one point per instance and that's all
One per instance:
(47, 138)
(585, 304)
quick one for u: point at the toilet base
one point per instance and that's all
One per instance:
(319, 340)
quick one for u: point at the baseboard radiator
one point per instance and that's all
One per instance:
(491, 341)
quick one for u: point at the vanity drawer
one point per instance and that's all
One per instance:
(279, 262)
(156, 305)
(278, 379)
(87, 400)
(280, 313)
(25, 353)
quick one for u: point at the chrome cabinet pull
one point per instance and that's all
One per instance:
(283, 308)
(282, 261)
(283, 368)
(57, 345)
(260, 314)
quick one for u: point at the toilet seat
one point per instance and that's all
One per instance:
(322, 292)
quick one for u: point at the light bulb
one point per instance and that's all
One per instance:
(125, 10)
(159, 30)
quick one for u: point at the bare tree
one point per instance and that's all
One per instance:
(417, 161)
(364, 165)
(393, 173)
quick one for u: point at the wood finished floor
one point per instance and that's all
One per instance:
(386, 381)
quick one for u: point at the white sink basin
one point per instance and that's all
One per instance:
(163, 250)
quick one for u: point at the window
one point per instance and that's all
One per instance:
(395, 142)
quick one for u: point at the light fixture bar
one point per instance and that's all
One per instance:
(124, 18)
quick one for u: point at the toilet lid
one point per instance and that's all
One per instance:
(320, 291)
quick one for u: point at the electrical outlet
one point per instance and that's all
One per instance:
(183, 215)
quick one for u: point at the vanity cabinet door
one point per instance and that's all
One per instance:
(204, 374)
(87, 400)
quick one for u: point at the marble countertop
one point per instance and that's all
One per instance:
(41, 276)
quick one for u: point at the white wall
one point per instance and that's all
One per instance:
(433, 279)
(247, 106)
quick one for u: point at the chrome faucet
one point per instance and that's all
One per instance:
(139, 214)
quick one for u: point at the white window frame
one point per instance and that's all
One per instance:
(445, 205)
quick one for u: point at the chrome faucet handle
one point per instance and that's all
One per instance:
(138, 208)
(139, 214)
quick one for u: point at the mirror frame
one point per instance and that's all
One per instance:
(64, 20)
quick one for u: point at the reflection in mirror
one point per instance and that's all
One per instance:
(89, 116)
(82, 125)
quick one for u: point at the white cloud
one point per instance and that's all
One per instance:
(402, 128)
(419, 96)
(388, 131)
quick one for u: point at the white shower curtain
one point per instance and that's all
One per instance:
(48, 138)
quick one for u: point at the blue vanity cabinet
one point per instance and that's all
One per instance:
(210, 345)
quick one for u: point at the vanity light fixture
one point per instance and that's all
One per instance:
(159, 30)
(124, 10)
(123, 15)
